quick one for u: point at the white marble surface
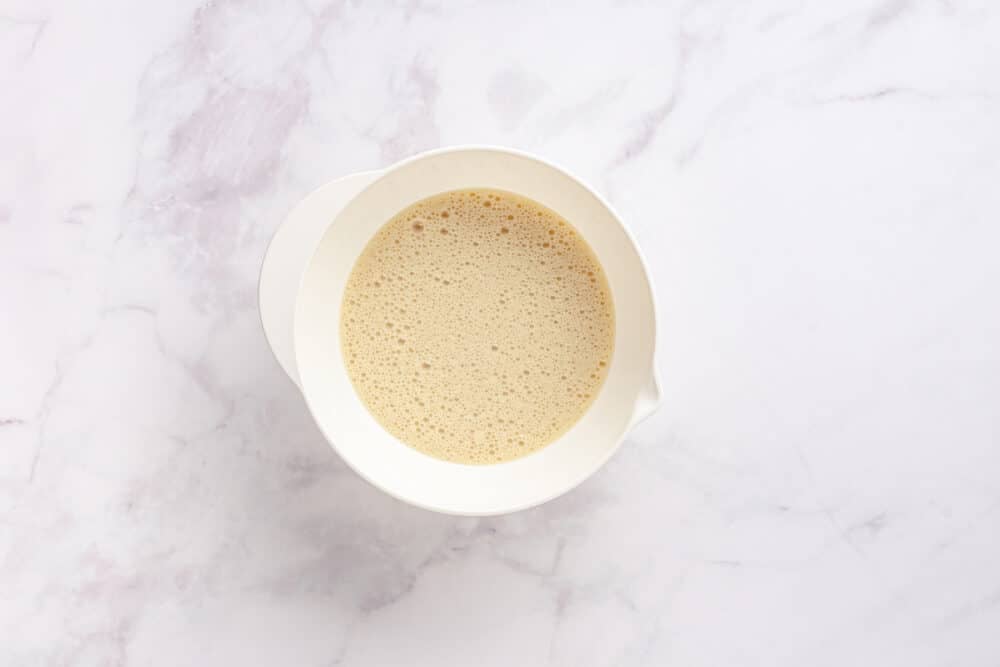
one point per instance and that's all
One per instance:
(817, 186)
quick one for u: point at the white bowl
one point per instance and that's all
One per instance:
(300, 298)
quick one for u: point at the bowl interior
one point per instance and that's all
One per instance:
(397, 468)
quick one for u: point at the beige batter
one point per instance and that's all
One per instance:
(477, 326)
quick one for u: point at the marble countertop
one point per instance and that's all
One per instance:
(815, 185)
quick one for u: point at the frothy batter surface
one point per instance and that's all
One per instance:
(477, 326)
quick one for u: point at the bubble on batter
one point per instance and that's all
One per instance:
(503, 316)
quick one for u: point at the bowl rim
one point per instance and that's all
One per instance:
(653, 379)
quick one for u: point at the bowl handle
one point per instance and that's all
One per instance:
(648, 400)
(288, 255)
